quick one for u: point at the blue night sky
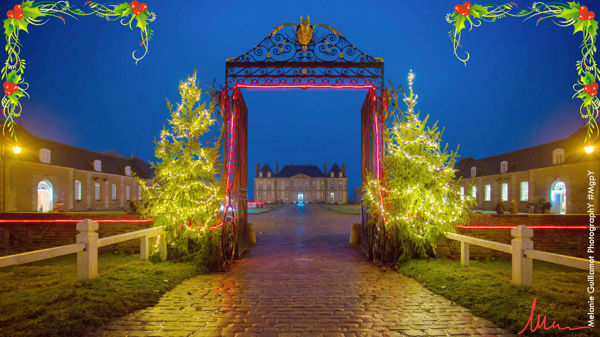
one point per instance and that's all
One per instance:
(515, 91)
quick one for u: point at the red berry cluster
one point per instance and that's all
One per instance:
(463, 9)
(591, 89)
(584, 14)
(10, 87)
(138, 8)
(15, 13)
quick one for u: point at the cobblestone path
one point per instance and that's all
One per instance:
(302, 279)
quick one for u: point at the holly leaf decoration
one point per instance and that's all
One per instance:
(460, 22)
(31, 12)
(142, 20)
(123, 10)
(14, 77)
(570, 13)
(592, 28)
(478, 11)
(588, 78)
(15, 96)
(9, 28)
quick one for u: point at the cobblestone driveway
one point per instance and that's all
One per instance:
(302, 279)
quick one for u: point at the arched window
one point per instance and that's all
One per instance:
(558, 197)
(558, 156)
(128, 170)
(473, 171)
(77, 192)
(45, 156)
(45, 196)
(503, 166)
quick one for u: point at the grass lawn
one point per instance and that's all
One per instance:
(45, 298)
(345, 209)
(484, 287)
(264, 209)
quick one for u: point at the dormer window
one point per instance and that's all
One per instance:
(260, 174)
(558, 156)
(269, 174)
(473, 171)
(332, 174)
(340, 174)
(503, 166)
(45, 156)
(128, 170)
(97, 165)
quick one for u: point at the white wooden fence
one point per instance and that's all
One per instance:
(523, 254)
(86, 247)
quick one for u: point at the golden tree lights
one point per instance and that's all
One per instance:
(421, 200)
(186, 193)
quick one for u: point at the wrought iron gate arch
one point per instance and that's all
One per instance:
(298, 56)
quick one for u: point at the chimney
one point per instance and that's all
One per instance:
(276, 170)
(344, 169)
(325, 169)
(257, 168)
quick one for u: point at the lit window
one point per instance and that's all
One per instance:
(462, 193)
(331, 174)
(77, 190)
(45, 156)
(473, 171)
(139, 192)
(97, 191)
(504, 191)
(114, 192)
(340, 173)
(524, 191)
(331, 196)
(97, 165)
(488, 192)
(503, 166)
(558, 156)
(474, 192)
(128, 170)
(127, 195)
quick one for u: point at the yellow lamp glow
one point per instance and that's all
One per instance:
(589, 149)
(16, 149)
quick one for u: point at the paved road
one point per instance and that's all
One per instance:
(302, 279)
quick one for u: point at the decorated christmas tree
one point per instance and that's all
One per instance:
(420, 199)
(186, 193)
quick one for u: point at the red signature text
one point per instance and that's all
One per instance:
(541, 323)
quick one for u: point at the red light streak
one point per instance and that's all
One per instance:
(305, 86)
(75, 220)
(513, 226)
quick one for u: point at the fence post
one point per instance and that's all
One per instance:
(144, 248)
(162, 243)
(464, 253)
(87, 260)
(522, 266)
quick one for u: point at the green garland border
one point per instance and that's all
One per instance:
(564, 15)
(37, 14)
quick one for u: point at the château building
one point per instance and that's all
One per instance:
(301, 184)
(557, 173)
(39, 175)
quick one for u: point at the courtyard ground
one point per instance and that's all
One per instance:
(302, 279)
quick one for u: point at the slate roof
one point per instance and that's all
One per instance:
(266, 168)
(529, 158)
(292, 170)
(75, 157)
(335, 169)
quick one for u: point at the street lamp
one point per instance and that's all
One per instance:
(589, 149)
(16, 149)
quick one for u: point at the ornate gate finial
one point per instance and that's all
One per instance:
(304, 32)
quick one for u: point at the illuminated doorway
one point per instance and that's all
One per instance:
(300, 198)
(45, 196)
(558, 197)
